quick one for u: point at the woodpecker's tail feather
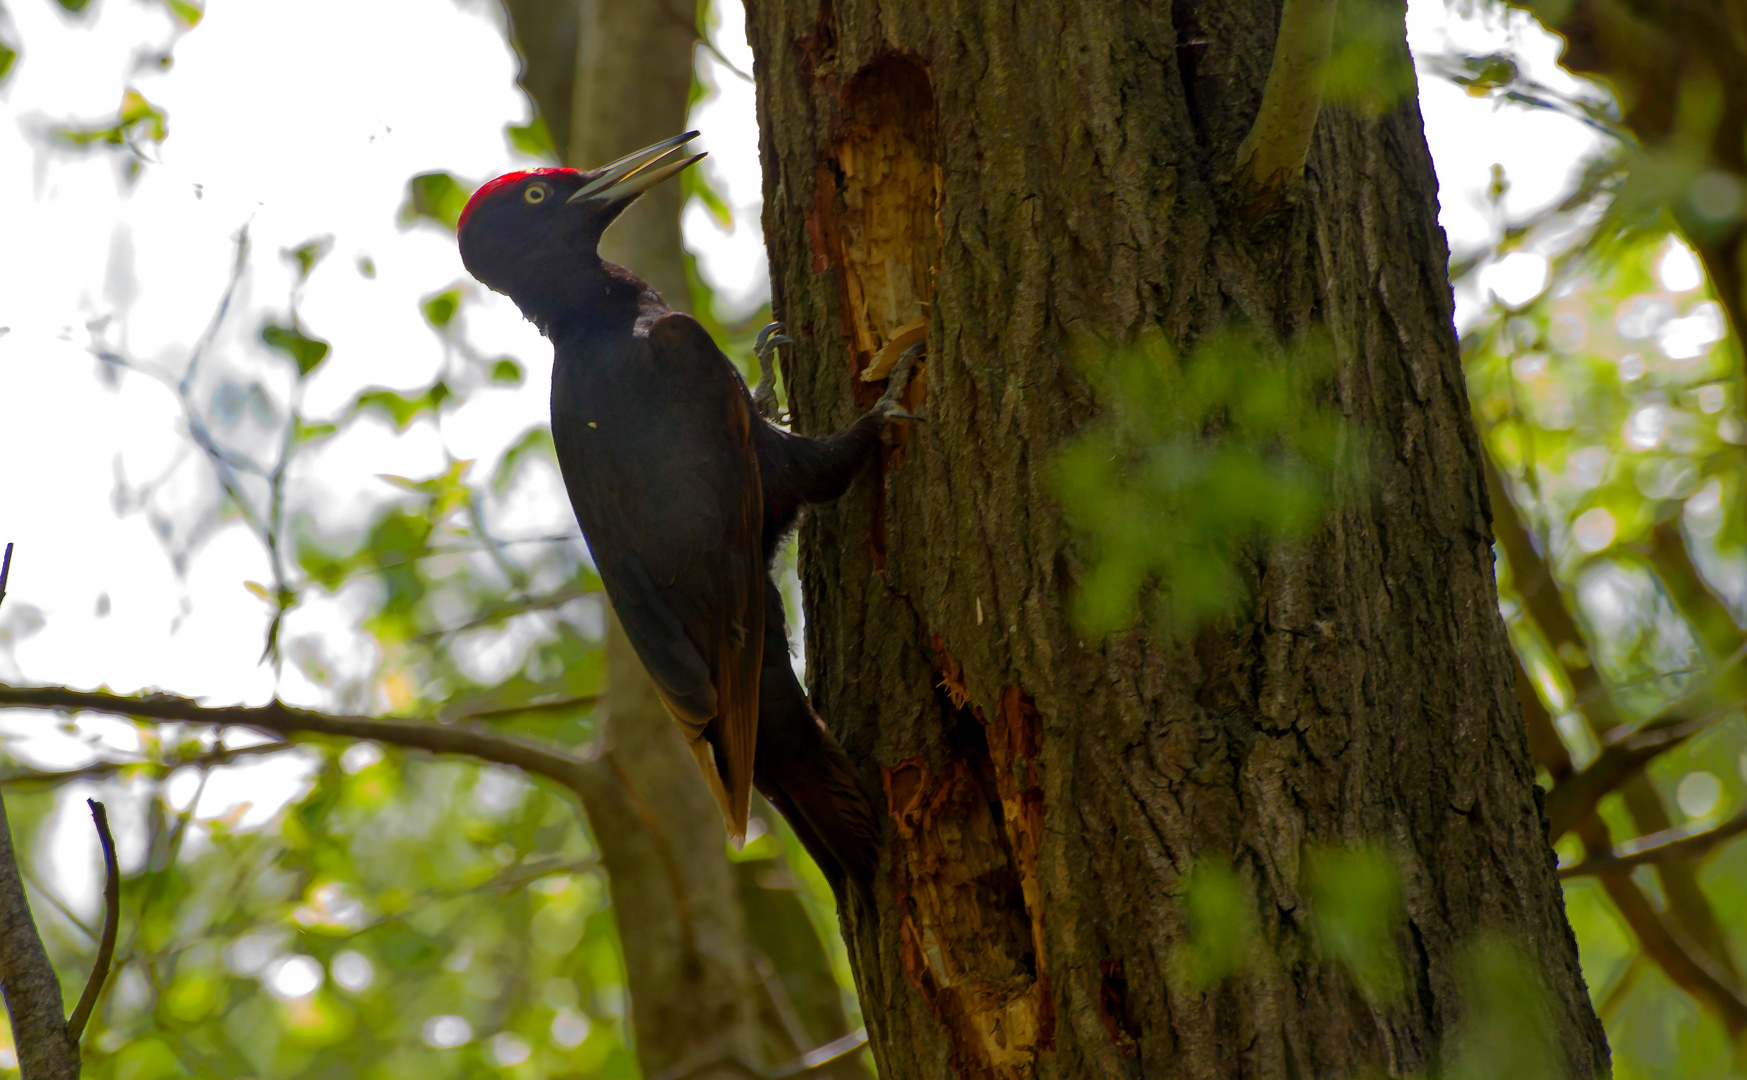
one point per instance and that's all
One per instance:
(824, 803)
(802, 769)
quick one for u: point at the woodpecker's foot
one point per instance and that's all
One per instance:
(764, 394)
(890, 404)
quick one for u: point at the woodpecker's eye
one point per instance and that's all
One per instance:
(536, 193)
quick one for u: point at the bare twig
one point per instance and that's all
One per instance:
(1626, 748)
(502, 612)
(1624, 758)
(1659, 847)
(223, 755)
(1683, 962)
(111, 923)
(282, 719)
(692, 26)
(60, 905)
(835, 1050)
(1272, 155)
(582, 701)
(805, 1065)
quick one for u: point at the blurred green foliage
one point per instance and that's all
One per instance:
(137, 122)
(1606, 381)
(1222, 925)
(305, 351)
(1193, 460)
(186, 12)
(532, 139)
(1355, 895)
(1506, 1029)
(1369, 70)
(435, 196)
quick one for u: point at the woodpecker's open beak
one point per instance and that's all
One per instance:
(633, 174)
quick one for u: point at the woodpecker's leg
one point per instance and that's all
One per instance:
(764, 395)
(890, 403)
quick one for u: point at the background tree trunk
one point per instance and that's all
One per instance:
(1022, 174)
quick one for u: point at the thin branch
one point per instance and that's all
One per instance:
(111, 923)
(1616, 994)
(223, 755)
(691, 26)
(1272, 155)
(282, 719)
(835, 1050)
(582, 701)
(494, 615)
(806, 1065)
(1683, 962)
(59, 905)
(1624, 758)
(1627, 748)
(1669, 846)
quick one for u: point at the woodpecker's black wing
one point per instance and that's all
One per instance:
(656, 448)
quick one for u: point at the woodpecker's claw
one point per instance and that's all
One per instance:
(767, 341)
(764, 394)
(889, 405)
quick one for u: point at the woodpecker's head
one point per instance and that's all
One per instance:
(523, 230)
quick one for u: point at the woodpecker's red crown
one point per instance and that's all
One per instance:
(491, 187)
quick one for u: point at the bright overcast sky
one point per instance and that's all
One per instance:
(304, 118)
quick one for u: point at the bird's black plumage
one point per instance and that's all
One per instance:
(683, 492)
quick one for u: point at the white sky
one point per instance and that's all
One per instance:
(292, 117)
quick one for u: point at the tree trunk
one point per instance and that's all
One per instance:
(1022, 175)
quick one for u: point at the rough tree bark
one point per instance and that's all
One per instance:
(1020, 175)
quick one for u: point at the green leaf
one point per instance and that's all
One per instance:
(307, 254)
(7, 56)
(434, 196)
(506, 371)
(186, 12)
(305, 351)
(532, 140)
(535, 442)
(367, 267)
(1369, 68)
(695, 183)
(136, 110)
(440, 309)
(1356, 910)
(1508, 1022)
(1222, 924)
(399, 408)
(1193, 461)
(137, 120)
(74, 7)
(310, 433)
